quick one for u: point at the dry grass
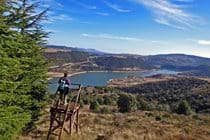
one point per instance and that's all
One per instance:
(133, 126)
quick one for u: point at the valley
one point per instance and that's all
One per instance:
(73, 60)
(168, 105)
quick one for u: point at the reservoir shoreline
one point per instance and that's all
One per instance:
(52, 75)
(102, 78)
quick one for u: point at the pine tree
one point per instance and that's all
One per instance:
(22, 67)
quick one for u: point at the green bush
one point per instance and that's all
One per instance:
(158, 118)
(95, 106)
(141, 103)
(184, 108)
(87, 99)
(105, 110)
(126, 103)
(100, 100)
(81, 103)
(163, 107)
(109, 100)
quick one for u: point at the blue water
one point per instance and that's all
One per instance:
(101, 78)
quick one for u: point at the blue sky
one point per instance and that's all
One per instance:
(143, 27)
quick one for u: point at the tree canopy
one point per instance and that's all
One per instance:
(22, 66)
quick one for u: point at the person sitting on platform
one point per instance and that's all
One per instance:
(63, 88)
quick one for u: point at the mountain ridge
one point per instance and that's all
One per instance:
(123, 54)
(96, 60)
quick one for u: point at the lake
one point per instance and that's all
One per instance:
(101, 78)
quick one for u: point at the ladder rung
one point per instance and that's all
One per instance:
(54, 134)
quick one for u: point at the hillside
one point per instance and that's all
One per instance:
(67, 48)
(61, 57)
(133, 126)
(171, 92)
(154, 118)
(117, 62)
(93, 60)
(176, 60)
(154, 113)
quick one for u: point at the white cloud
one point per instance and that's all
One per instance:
(124, 38)
(57, 18)
(90, 7)
(168, 13)
(51, 4)
(86, 22)
(116, 7)
(183, 0)
(60, 4)
(204, 42)
(111, 37)
(102, 13)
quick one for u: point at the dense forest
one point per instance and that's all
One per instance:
(22, 66)
(196, 92)
(59, 58)
(112, 62)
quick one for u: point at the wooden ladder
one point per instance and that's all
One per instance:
(60, 115)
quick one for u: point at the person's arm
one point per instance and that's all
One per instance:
(59, 81)
(68, 81)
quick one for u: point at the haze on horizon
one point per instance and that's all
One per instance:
(144, 27)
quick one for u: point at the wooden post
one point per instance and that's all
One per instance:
(77, 122)
(70, 123)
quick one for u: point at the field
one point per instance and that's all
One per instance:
(140, 125)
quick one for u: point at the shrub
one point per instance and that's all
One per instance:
(108, 100)
(166, 116)
(184, 108)
(149, 114)
(163, 107)
(141, 103)
(158, 118)
(81, 103)
(95, 106)
(87, 99)
(126, 102)
(105, 110)
(100, 100)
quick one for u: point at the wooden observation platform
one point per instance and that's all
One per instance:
(64, 118)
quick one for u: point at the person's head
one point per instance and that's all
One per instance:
(65, 74)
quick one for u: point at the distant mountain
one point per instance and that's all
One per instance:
(60, 47)
(178, 60)
(91, 51)
(189, 64)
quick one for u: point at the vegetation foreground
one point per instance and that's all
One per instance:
(111, 114)
(150, 125)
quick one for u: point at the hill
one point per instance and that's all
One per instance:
(93, 60)
(176, 60)
(67, 48)
(170, 92)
